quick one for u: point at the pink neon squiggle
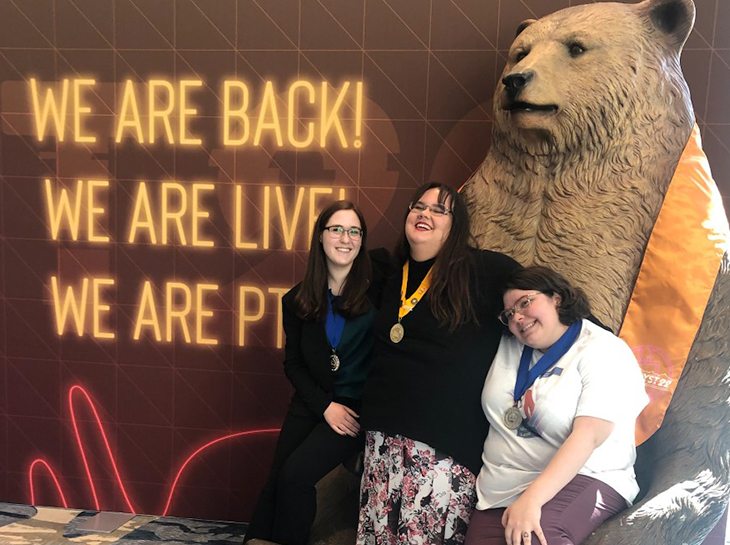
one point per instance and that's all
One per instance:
(201, 449)
(87, 468)
(53, 476)
(71, 391)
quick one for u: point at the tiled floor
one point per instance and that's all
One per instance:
(26, 525)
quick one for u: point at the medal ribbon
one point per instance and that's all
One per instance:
(334, 323)
(407, 304)
(526, 376)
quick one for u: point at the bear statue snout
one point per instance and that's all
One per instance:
(515, 82)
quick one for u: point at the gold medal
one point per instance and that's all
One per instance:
(334, 361)
(407, 304)
(397, 332)
(512, 418)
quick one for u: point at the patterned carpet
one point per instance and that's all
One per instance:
(26, 525)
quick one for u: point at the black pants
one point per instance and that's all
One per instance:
(306, 451)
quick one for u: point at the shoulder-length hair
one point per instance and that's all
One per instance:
(450, 296)
(311, 300)
(574, 304)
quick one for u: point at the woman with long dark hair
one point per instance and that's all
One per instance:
(435, 336)
(328, 321)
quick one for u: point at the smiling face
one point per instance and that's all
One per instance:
(538, 325)
(426, 232)
(341, 251)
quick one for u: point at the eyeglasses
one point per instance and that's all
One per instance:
(437, 209)
(522, 305)
(336, 231)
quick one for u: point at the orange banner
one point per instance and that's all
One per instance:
(676, 278)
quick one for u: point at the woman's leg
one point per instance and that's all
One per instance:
(296, 497)
(412, 494)
(578, 509)
(294, 431)
(485, 528)
(568, 519)
(379, 490)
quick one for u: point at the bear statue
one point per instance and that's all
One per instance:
(590, 119)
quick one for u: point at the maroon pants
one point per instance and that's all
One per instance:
(567, 519)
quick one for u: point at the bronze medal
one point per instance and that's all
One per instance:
(334, 361)
(397, 332)
(512, 418)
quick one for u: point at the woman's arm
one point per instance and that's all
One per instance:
(296, 369)
(524, 515)
(341, 418)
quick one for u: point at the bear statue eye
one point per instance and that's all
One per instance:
(576, 49)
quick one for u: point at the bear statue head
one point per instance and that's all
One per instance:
(579, 77)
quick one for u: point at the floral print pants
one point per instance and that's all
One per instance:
(412, 494)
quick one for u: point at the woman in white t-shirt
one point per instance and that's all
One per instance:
(561, 397)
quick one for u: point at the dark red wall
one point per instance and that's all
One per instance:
(429, 68)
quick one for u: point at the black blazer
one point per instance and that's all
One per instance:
(307, 351)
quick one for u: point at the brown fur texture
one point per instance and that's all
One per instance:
(576, 183)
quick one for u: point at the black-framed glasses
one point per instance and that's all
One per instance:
(523, 303)
(437, 209)
(336, 231)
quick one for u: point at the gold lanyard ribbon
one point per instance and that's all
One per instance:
(675, 280)
(407, 304)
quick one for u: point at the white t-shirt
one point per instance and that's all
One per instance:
(597, 377)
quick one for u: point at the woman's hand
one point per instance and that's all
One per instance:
(342, 419)
(521, 519)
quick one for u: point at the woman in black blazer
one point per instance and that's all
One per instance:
(328, 321)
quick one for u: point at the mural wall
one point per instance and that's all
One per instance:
(161, 164)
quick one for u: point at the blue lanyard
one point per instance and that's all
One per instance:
(334, 324)
(526, 376)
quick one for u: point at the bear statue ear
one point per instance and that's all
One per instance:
(673, 18)
(523, 25)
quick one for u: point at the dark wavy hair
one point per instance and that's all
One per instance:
(574, 305)
(311, 299)
(449, 296)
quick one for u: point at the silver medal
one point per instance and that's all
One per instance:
(512, 418)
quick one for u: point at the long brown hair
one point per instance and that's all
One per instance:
(311, 299)
(450, 297)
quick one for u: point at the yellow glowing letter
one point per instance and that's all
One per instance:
(177, 215)
(238, 218)
(268, 108)
(184, 111)
(142, 206)
(279, 292)
(200, 214)
(80, 109)
(289, 228)
(78, 308)
(267, 216)
(243, 317)
(129, 113)
(202, 312)
(293, 111)
(178, 313)
(49, 106)
(99, 308)
(313, 192)
(58, 210)
(332, 118)
(163, 114)
(147, 313)
(239, 112)
(93, 210)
